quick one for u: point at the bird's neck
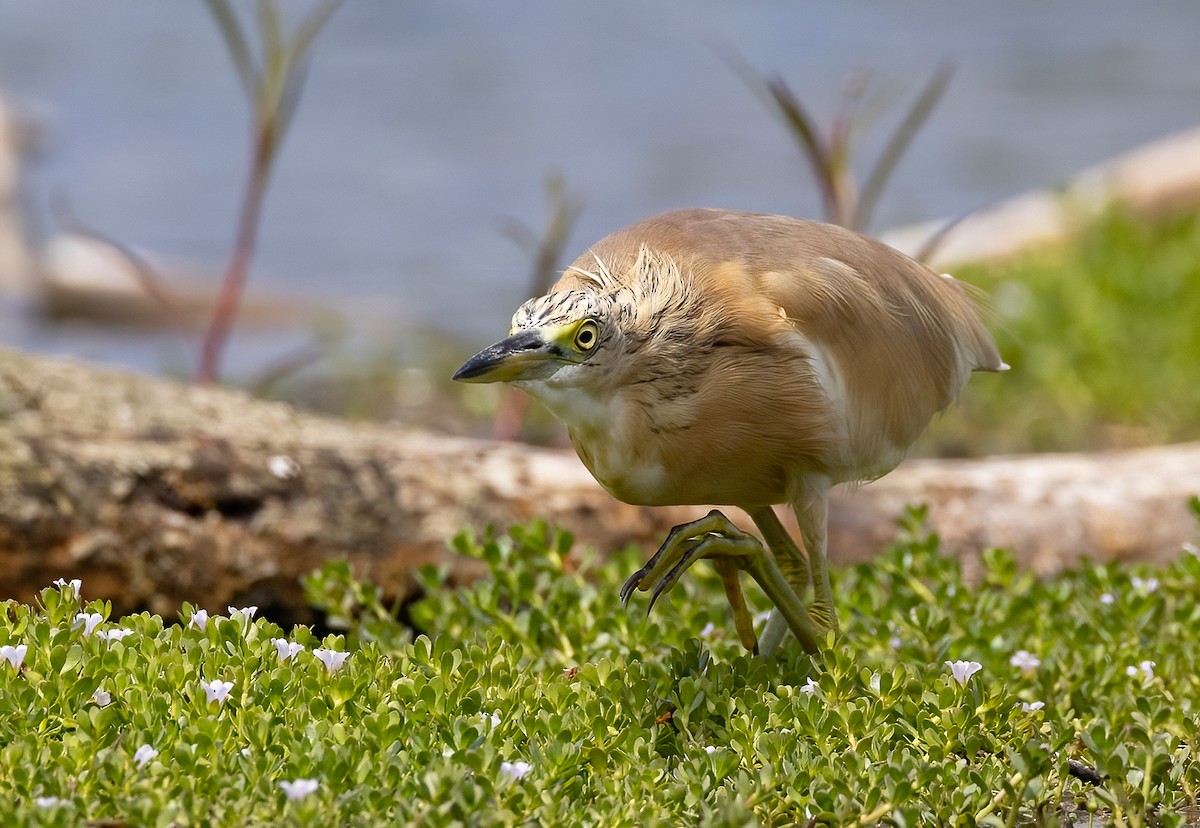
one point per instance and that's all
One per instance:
(574, 406)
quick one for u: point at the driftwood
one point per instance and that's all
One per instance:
(155, 493)
(1052, 510)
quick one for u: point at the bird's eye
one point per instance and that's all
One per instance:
(587, 336)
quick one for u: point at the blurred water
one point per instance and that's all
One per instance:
(425, 124)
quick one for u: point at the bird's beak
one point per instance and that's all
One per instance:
(523, 356)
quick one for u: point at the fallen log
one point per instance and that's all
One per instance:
(1052, 510)
(154, 493)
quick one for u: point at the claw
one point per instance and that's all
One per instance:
(631, 584)
(668, 581)
(675, 537)
(661, 587)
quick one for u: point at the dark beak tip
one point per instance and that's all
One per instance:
(468, 371)
(480, 367)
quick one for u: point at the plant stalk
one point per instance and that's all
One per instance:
(234, 283)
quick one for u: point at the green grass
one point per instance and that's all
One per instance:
(622, 719)
(1103, 338)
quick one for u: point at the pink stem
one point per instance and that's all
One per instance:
(234, 283)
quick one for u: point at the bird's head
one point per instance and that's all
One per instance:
(560, 339)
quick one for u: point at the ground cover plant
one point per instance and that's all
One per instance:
(534, 697)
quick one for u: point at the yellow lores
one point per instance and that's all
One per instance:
(711, 357)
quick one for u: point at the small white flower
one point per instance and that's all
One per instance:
(1029, 707)
(88, 621)
(809, 686)
(332, 659)
(50, 801)
(710, 750)
(199, 619)
(963, 670)
(494, 719)
(102, 697)
(283, 467)
(515, 770)
(1108, 598)
(763, 617)
(1026, 662)
(286, 649)
(1146, 585)
(299, 788)
(245, 612)
(1146, 668)
(895, 643)
(14, 655)
(708, 630)
(113, 635)
(72, 586)
(143, 755)
(216, 690)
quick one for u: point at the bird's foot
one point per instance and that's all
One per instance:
(712, 536)
(733, 551)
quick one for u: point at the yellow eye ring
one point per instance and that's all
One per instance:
(587, 335)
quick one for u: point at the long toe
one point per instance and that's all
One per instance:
(667, 582)
(632, 583)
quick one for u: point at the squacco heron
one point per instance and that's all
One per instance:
(736, 359)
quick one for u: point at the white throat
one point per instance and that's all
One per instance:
(569, 402)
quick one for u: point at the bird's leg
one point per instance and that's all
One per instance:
(730, 574)
(793, 563)
(799, 571)
(794, 566)
(715, 536)
(813, 517)
(788, 605)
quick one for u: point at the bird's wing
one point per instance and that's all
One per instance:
(904, 339)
